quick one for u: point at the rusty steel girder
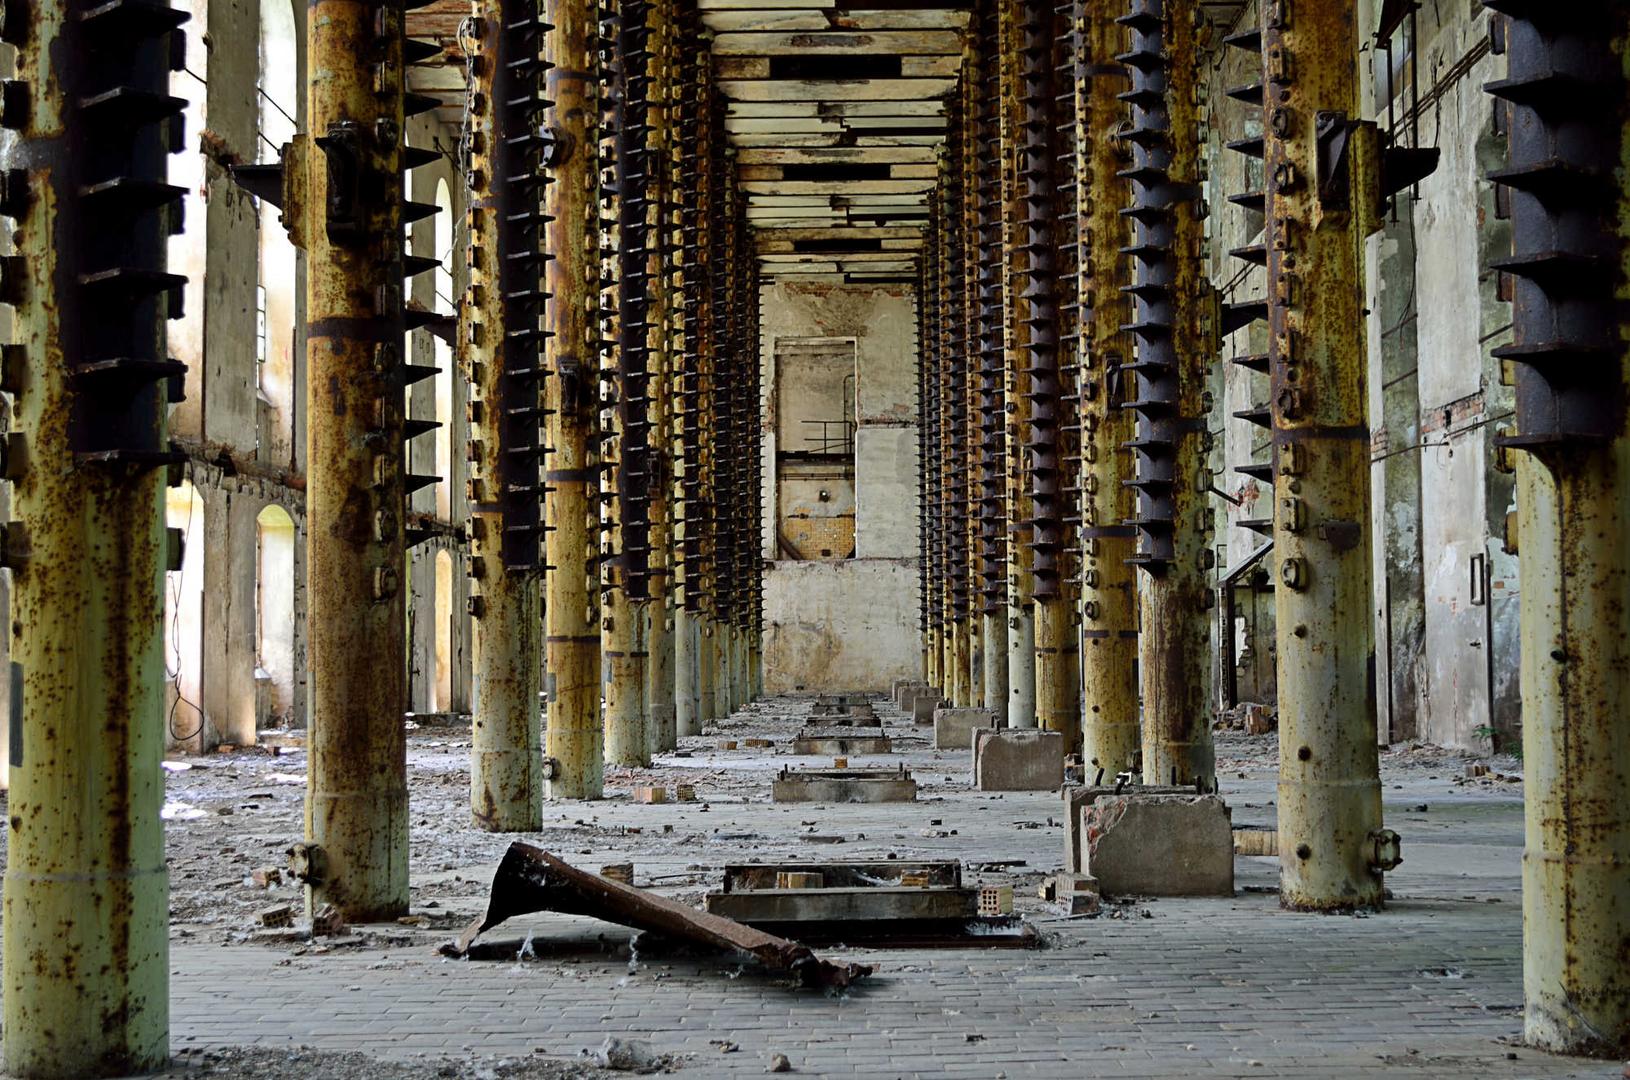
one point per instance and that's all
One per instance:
(1565, 93)
(91, 125)
(1174, 343)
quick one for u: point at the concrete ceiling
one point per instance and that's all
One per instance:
(837, 115)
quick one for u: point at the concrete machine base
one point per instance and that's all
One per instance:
(954, 728)
(1014, 759)
(896, 903)
(1159, 845)
(841, 741)
(844, 786)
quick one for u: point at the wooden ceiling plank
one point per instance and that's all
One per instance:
(906, 43)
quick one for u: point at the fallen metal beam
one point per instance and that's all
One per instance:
(530, 879)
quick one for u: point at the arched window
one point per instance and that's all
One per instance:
(274, 616)
(184, 619)
(441, 693)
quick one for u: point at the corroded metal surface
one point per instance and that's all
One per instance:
(1329, 786)
(667, 333)
(990, 318)
(86, 890)
(694, 118)
(1169, 368)
(625, 341)
(1109, 608)
(1021, 643)
(530, 879)
(349, 220)
(574, 740)
(1565, 93)
(502, 355)
(1057, 691)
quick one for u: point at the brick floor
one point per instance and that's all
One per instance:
(1429, 988)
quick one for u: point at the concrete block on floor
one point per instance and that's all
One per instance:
(909, 696)
(1016, 759)
(953, 728)
(902, 687)
(924, 704)
(1159, 845)
(841, 785)
(1078, 797)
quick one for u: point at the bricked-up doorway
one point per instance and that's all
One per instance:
(815, 448)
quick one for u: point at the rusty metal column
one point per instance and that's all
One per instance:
(86, 889)
(1037, 292)
(626, 485)
(574, 739)
(1172, 326)
(694, 113)
(930, 574)
(345, 197)
(755, 486)
(1319, 167)
(1570, 212)
(661, 730)
(1021, 638)
(967, 225)
(502, 348)
(712, 160)
(990, 320)
(1109, 603)
(954, 375)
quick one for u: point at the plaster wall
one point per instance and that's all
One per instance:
(832, 626)
(1444, 617)
(849, 623)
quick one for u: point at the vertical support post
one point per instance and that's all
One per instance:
(575, 740)
(666, 333)
(1057, 708)
(1109, 602)
(1172, 326)
(502, 347)
(86, 889)
(990, 324)
(1016, 339)
(350, 217)
(1570, 213)
(627, 484)
(695, 114)
(1319, 167)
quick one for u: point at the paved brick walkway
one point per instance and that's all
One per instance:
(1430, 988)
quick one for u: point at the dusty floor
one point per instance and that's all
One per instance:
(1429, 988)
